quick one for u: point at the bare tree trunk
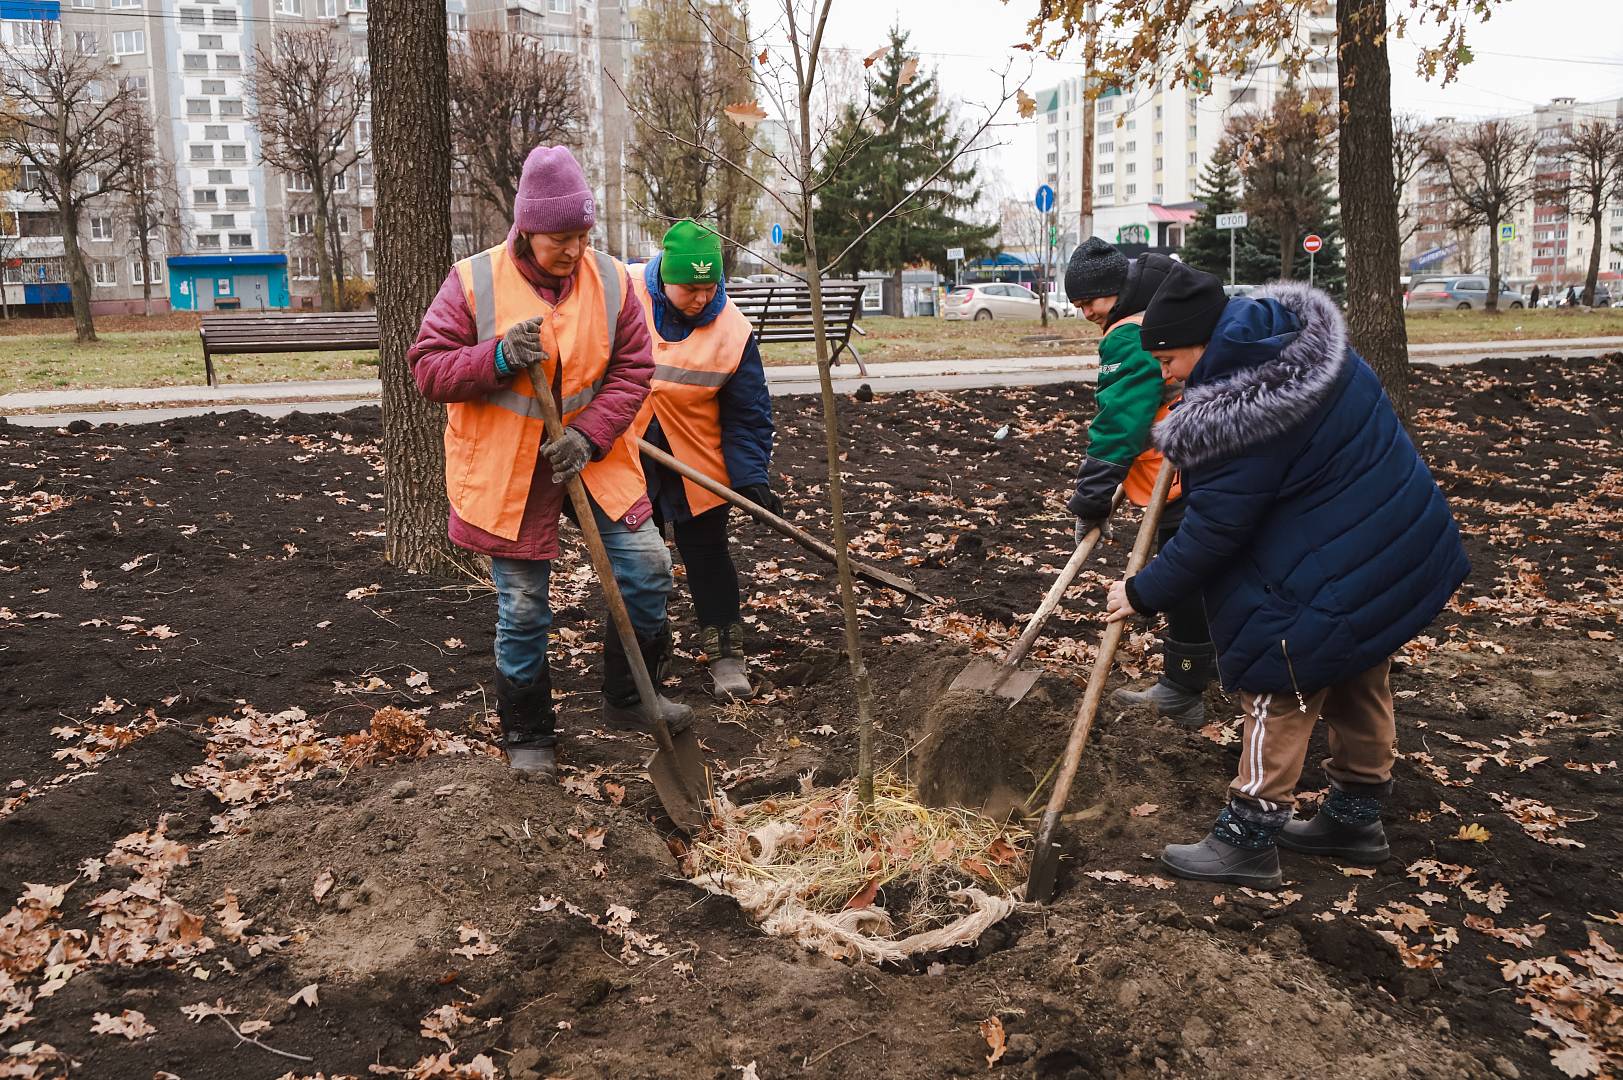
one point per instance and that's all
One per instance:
(84, 324)
(1492, 303)
(1287, 250)
(1369, 209)
(831, 450)
(340, 294)
(896, 286)
(412, 145)
(145, 255)
(1594, 265)
(323, 256)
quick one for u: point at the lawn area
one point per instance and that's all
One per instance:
(165, 351)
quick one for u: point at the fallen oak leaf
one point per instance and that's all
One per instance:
(864, 896)
(306, 996)
(996, 1038)
(1144, 809)
(130, 1024)
(322, 884)
(253, 1027)
(1474, 833)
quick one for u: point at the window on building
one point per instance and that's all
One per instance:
(191, 17)
(367, 217)
(304, 268)
(287, 7)
(84, 4)
(366, 262)
(225, 17)
(202, 152)
(1106, 168)
(228, 62)
(298, 182)
(1131, 146)
(555, 43)
(208, 241)
(236, 197)
(1105, 127)
(222, 221)
(216, 131)
(1132, 189)
(1194, 132)
(299, 224)
(1159, 137)
(363, 172)
(1132, 168)
(1106, 105)
(1160, 191)
(199, 107)
(1193, 159)
(355, 5)
(135, 86)
(86, 42)
(101, 227)
(104, 272)
(1158, 112)
(154, 273)
(219, 176)
(213, 86)
(242, 241)
(327, 9)
(205, 197)
(1107, 148)
(231, 107)
(343, 224)
(363, 133)
(211, 41)
(560, 7)
(1107, 191)
(456, 22)
(1160, 163)
(195, 62)
(32, 179)
(234, 153)
(340, 181)
(1132, 124)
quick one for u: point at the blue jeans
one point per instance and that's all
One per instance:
(642, 567)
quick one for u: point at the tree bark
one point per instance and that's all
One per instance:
(145, 256)
(1369, 206)
(1593, 276)
(84, 324)
(412, 145)
(1492, 303)
(336, 236)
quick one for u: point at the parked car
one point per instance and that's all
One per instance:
(1058, 301)
(1465, 292)
(994, 300)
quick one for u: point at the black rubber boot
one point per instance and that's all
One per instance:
(1347, 827)
(1238, 851)
(622, 705)
(529, 725)
(1180, 693)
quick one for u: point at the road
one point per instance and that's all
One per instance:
(149, 404)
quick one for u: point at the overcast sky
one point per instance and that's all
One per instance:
(1529, 52)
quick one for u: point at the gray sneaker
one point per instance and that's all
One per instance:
(1167, 698)
(1214, 860)
(729, 668)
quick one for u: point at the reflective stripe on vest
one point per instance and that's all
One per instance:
(505, 425)
(688, 374)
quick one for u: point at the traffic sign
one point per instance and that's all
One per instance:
(955, 254)
(1507, 233)
(1312, 243)
(1045, 199)
(777, 234)
(1231, 221)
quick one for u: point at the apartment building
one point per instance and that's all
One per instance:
(1151, 144)
(1550, 246)
(241, 233)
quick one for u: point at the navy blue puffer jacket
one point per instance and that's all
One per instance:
(1311, 527)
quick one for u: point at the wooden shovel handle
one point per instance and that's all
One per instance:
(593, 539)
(1046, 851)
(1017, 652)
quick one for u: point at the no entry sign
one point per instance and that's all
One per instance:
(1312, 243)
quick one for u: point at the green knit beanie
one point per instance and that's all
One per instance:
(692, 255)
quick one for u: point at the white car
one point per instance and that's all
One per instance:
(994, 300)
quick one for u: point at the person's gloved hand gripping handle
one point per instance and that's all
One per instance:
(520, 349)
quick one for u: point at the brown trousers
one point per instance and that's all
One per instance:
(1363, 738)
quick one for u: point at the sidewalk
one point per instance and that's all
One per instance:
(138, 405)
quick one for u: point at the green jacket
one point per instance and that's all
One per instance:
(1129, 395)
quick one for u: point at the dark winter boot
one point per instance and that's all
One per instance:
(1239, 850)
(1347, 827)
(529, 726)
(729, 668)
(1179, 694)
(622, 705)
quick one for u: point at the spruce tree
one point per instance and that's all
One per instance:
(874, 161)
(1205, 246)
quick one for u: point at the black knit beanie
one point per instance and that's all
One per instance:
(1095, 269)
(1185, 309)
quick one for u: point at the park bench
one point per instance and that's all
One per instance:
(335, 331)
(781, 311)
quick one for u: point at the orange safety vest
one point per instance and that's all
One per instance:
(688, 376)
(1141, 476)
(491, 445)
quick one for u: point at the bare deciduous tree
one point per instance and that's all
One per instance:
(1412, 139)
(149, 197)
(1284, 155)
(66, 118)
(683, 83)
(1490, 174)
(509, 95)
(1590, 176)
(305, 93)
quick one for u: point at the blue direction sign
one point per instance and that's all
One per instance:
(777, 234)
(1045, 199)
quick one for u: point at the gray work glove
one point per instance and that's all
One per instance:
(568, 455)
(521, 345)
(1085, 526)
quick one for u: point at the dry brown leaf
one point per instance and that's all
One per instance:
(864, 897)
(253, 1027)
(306, 996)
(130, 1024)
(1144, 809)
(1356, 871)
(909, 72)
(322, 884)
(874, 57)
(1473, 832)
(1026, 104)
(745, 113)
(996, 1038)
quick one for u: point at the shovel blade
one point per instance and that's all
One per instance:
(994, 678)
(681, 781)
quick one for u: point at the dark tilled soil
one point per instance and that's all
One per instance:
(236, 562)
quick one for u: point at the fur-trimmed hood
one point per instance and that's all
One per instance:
(1273, 359)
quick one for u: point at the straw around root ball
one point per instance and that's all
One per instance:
(894, 881)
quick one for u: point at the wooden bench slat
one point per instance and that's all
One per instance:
(311, 331)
